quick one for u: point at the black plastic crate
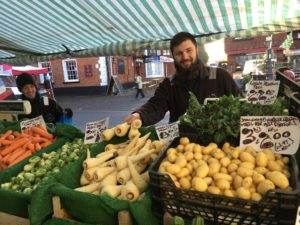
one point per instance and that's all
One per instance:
(276, 207)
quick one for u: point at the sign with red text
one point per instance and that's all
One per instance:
(280, 133)
(262, 91)
(93, 131)
(34, 122)
(166, 133)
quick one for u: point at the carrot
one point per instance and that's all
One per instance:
(6, 142)
(16, 133)
(42, 132)
(15, 154)
(30, 147)
(5, 135)
(39, 139)
(42, 127)
(11, 137)
(24, 135)
(14, 146)
(37, 147)
(20, 158)
(45, 144)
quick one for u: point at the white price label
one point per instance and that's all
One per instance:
(298, 217)
(280, 133)
(93, 131)
(34, 122)
(166, 133)
(262, 91)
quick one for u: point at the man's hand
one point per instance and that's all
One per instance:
(132, 117)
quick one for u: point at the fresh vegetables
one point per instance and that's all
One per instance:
(220, 121)
(120, 169)
(230, 171)
(40, 168)
(17, 146)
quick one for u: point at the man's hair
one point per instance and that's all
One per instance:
(181, 37)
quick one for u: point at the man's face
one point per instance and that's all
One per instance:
(185, 54)
(29, 91)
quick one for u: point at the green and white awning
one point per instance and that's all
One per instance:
(39, 30)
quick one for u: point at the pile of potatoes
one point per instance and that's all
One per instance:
(230, 171)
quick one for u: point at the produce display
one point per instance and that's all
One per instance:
(40, 168)
(219, 121)
(16, 146)
(120, 170)
(230, 171)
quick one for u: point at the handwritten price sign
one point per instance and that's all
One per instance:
(263, 91)
(280, 133)
(168, 132)
(34, 122)
(93, 131)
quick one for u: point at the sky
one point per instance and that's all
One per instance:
(215, 51)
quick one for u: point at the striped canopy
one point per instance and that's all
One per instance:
(41, 30)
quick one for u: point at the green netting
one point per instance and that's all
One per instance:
(67, 131)
(55, 221)
(86, 207)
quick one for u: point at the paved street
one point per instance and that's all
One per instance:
(95, 107)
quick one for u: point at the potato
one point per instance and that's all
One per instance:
(171, 151)
(227, 151)
(261, 170)
(197, 149)
(224, 176)
(226, 145)
(199, 184)
(213, 145)
(173, 177)
(214, 168)
(185, 183)
(212, 160)
(278, 156)
(274, 166)
(223, 184)
(180, 148)
(247, 157)
(189, 167)
(286, 173)
(224, 170)
(255, 196)
(181, 161)
(232, 167)
(243, 193)
(247, 165)
(269, 153)
(208, 180)
(257, 178)
(229, 193)
(261, 159)
(244, 172)
(183, 172)
(189, 147)
(194, 164)
(237, 181)
(189, 155)
(202, 170)
(184, 140)
(285, 160)
(219, 154)
(171, 157)
(235, 154)
(247, 182)
(251, 150)
(225, 161)
(264, 186)
(279, 179)
(161, 169)
(207, 150)
(280, 163)
(177, 184)
(214, 190)
(173, 169)
(236, 161)
(198, 155)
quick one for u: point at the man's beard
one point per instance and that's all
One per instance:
(190, 73)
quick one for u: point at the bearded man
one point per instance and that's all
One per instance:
(172, 94)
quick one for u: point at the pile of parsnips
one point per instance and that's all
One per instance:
(230, 171)
(120, 170)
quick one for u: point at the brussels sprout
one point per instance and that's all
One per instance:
(7, 185)
(28, 167)
(29, 177)
(40, 172)
(34, 159)
(27, 190)
(20, 178)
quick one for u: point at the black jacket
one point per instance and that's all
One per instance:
(51, 113)
(172, 94)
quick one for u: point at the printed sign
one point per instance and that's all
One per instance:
(93, 131)
(166, 133)
(280, 133)
(298, 217)
(262, 91)
(32, 123)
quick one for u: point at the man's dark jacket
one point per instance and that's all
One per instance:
(51, 113)
(173, 95)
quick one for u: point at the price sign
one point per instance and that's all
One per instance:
(298, 217)
(166, 133)
(280, 133)
(262, 91)
(93, 131)
(32, 123)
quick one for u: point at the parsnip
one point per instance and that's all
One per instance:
(88, 188)
(83, 180)
(108, 134)
(136, 177)
(102, 172)
(132, 133)
(136, 124)
(130, 192)
(89, 173)
(112, 190)
(92, 162)
(109, 179)
(157, 145)
(122, 129)
(131, 144)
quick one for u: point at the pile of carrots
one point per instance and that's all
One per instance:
(16, 146)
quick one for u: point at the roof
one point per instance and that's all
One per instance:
(41, 30)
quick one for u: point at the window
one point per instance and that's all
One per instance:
(88, 70)
(154, 69)
(121, 66)
(70, 70)
(43, 76)
(166, 52)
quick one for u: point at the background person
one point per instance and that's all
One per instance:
(172, 94)
(47, 107)
(139, 86)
